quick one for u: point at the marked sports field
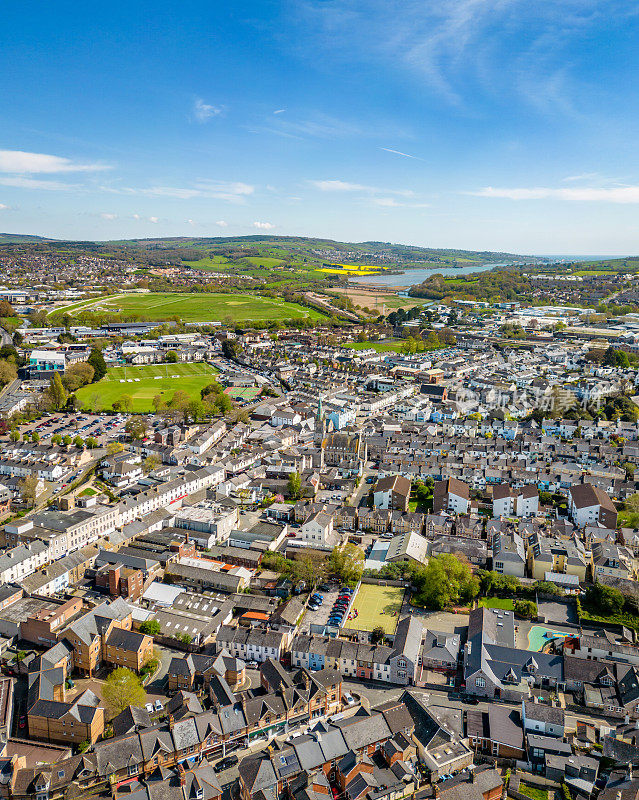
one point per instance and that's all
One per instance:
(376, 606)
(142, 384)
(196, 307)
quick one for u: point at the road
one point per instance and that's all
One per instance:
(363, 488)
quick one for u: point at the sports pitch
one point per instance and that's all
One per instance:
(143, 383)
(196, 307)
(377, 606)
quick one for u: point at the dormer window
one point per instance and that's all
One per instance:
(199, 794)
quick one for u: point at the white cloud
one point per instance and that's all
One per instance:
(263, 226)
(399, 153)
(3, 207)
(21, 162)
(153, 220)
(21, 182)
(280, 111)
(107, 215)
(586, 176)
(231, 191)
(221, 223)
(137, 217)
(345, 186)
(204, 111)
(621, 194)
(391, 202)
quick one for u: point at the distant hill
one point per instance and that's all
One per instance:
(17, 238)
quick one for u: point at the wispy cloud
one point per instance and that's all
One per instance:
(263, 226)
(458, 48)
(21, 182)
(391, 202)
(619, 194)
(24, 163)
(279, 111)
(154, 220)
(221, 223)
(585, 176)
(108, 215)
(203, 112)
(3, 207)
(399, 153)
(230, 191)
(345, 186)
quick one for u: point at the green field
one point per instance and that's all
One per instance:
(162, 379)
(209, 263)
(504, 603)
(377, 606)
(198, 307)
(379, 347)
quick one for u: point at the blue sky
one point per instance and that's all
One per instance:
(481, 124)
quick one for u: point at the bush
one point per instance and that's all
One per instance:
(526, 608)
(151, 627)
(605, 598)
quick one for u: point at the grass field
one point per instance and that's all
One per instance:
(143, 383)
(199, 307)
(504, 603)
(379, 347)
(377, 605)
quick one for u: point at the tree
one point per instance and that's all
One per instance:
(28, 488)
(135, 427)
(211, 388)
(113, 448)
(195, 409)
(151, 627)
(57, 392)
(56, 439)
(122, 689)
(92, 442)
(294, 487)
(126, 402)
(150, 463)
(8, 372)
(79, 442)
(223, 404)
(14, 435)
(632, 502)
(78, 375)
(96, 360)
(171, 357)
(231, 348)
(67, 440)
(526, 608)
(446, 580)
(35, 436)
(377, 634)
(6, 309)
(158, 403)
(605, 598)
(347, 562)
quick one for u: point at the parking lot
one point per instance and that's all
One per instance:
(320, 617)
(102, 427)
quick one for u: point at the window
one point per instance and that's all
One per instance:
(480, 682)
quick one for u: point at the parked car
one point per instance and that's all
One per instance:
(149, 707)
(158, 705)
(350, 700)
(225, 763)
(252, 664)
